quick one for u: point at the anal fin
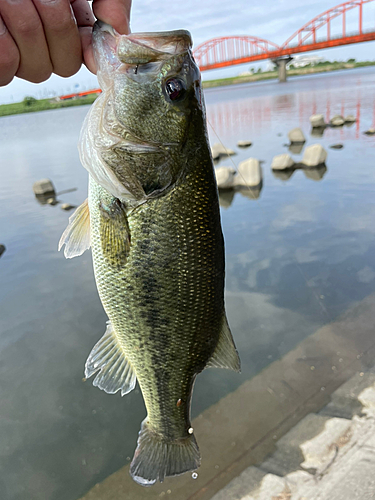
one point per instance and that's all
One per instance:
(76, 236)
(225, 354)
(108, 358)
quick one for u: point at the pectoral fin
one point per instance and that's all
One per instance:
(108, 358)
(76, 236)
(114, 233)
(225, 354)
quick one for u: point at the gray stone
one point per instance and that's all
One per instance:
(282, 162)
(296, 136)
(249, 174)
(336, 146)
(43, 186)
(244, 144)
(2, 249)
(317, 121)
(314, 155)
(337, 121)
(350, 119)
(224, 177)
(218, 151)
(67, 206)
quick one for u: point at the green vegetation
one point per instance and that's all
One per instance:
(30, 104)
(306, 70)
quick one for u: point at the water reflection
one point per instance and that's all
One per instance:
(226, 196)
(315, 174)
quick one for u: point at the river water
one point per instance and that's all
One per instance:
(297, 257)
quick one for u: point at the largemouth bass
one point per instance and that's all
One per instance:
(153, 223)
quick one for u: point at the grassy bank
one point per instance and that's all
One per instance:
(29, 105)
(269, 75)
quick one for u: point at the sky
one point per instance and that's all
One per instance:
(274, 20)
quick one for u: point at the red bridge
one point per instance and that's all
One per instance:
(314, 35)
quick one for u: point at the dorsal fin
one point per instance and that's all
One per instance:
(76, 236)
(108, 358)
(225, 354)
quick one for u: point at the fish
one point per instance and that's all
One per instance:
(152, 221)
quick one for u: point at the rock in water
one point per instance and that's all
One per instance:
(219, 151)
(337, 121)
(314, 155)
(370, 131)
(336, 146)
(2, 249)
(43, 187)
(224, 177)
(282, 162)
(249, 174)
(317, 121)
(350, 119)
(244, 144)
(296, 136)
(67, 206)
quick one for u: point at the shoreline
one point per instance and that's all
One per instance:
(45, 104)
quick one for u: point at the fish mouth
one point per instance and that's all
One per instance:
(143, 48)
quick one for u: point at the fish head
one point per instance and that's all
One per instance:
(153, 81)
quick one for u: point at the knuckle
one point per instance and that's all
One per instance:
(28, 28)
(34, 75)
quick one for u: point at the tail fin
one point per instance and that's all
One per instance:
(156, 458)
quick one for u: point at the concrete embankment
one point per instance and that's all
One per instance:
(249, 427)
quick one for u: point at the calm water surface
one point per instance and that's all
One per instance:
(297, 257)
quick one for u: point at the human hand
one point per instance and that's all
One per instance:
(41, 37)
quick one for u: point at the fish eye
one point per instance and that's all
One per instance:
(175, 89)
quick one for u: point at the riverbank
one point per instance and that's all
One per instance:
(269, 75)
(31, 105)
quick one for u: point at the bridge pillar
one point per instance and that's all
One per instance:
(281, 63)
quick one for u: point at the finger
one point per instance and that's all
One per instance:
(88, 53)
(82, 13)
(61, 33)
(23, 23)
(9, 56)
(114, 12)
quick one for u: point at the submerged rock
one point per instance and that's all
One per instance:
(314, 155)
(224, 177)
(282, 162)
(336, 146)
(317, 121)
(370, 131)
(249, 174)
(43, 187)
(296, 136)
(2, 249)
(337, 121)
(244, 144)
(218, 151)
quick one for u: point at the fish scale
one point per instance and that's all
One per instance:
(152, 220)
